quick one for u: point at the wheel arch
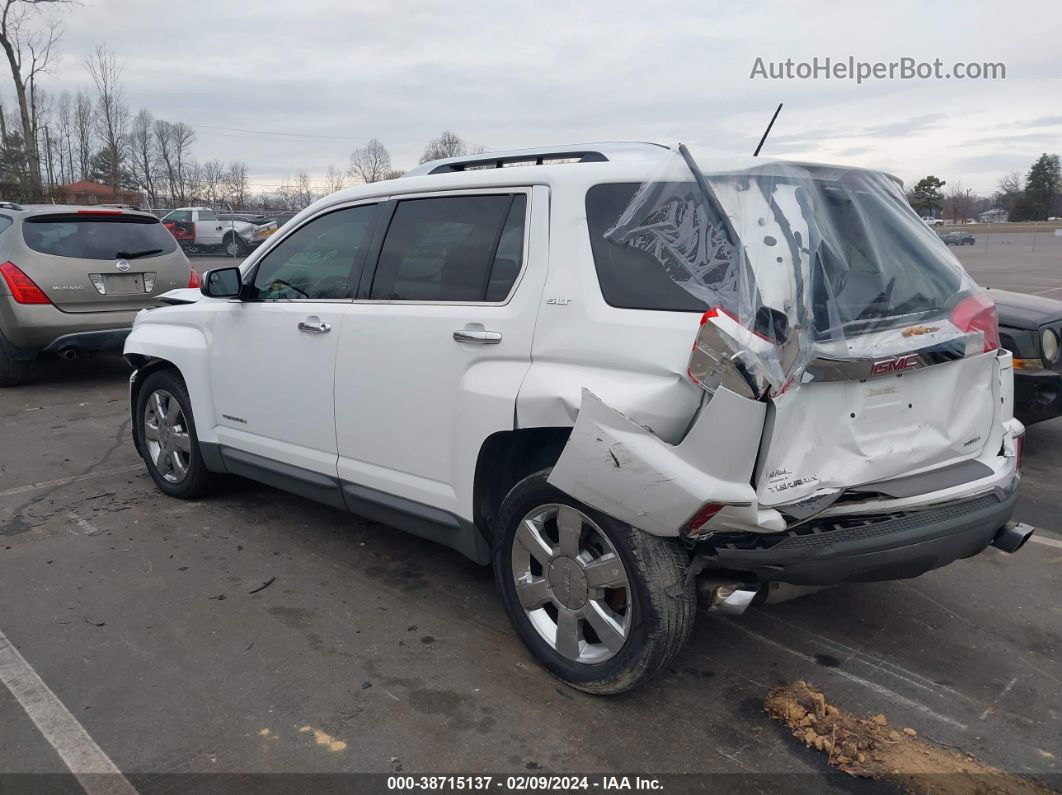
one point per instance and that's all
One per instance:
(507, 457)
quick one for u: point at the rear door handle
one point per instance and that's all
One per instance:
(477, 335)
(312, 325)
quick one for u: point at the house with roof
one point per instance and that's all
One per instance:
(87, 192)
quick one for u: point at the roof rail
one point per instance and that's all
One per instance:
(598, 152)
(527, 159)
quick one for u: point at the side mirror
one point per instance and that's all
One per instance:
(222, 283)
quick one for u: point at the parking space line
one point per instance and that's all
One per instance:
(47, 484)
(94, 770)
(1051, 542)
(877, 688)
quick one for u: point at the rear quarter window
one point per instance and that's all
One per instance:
(629, 277)
(98, 237)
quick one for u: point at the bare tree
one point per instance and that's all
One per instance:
(304, 192)
(63, 128)
(83, 133)
(23, 41)
(371, 162)
(213, 174)
(182, 137)
(236, 182)
(449, 144)
(143, 154)
(334, 180)
(111, 112)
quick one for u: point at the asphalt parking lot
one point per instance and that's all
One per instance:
(370, 651)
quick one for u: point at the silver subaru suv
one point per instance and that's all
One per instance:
(73, 278)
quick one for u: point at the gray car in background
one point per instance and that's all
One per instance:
(73, 278)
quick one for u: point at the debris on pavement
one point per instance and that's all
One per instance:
(870, 748)
(264, 585)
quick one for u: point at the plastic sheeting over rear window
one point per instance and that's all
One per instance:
(820, 261)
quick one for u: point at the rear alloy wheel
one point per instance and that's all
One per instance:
(603, 605)
(167, 436)
(234, 246)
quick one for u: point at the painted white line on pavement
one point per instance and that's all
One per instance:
(880, 689)
(1047, 541)
(47, 484)
(94, 770)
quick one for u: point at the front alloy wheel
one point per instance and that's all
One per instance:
(166, 436)
(165, 430)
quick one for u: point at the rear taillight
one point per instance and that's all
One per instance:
(978, 313)
(22, 287)
(193, 278)
(700, 519)
(1019, 449)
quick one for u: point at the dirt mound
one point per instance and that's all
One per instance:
(871, 748)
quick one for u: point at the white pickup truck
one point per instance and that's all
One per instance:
(199, 229)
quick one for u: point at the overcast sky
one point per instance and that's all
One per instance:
(516, 74)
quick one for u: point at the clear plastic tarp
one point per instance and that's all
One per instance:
(810, 261)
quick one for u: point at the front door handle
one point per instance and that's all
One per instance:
(313, 325)
(477, 335)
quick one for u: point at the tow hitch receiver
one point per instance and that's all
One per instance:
(1012, 536)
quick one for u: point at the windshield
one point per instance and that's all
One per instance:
(98, 237)
(808, 257)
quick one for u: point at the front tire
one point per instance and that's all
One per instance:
(601, 604)
(168, 441)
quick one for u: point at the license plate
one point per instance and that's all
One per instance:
(123, 283)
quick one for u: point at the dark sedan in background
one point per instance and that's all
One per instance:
(1030, 327)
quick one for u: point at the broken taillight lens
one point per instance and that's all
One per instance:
(978, 313)
(193, 278)
(700, 519)
(23, 290)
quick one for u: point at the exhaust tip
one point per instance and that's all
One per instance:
(732, 600)
(1013, 536)
(69, 353)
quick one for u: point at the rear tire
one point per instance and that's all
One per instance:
(12, 372)
(168, 441)
(603, 605)
(233, 245)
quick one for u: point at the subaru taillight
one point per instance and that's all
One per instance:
(978, 313)
(193, 278)
(23, 290)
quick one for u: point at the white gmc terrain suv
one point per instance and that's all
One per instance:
(617, 377)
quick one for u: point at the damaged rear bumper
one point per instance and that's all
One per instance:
(865, 548)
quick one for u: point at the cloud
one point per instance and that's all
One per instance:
(510, 74)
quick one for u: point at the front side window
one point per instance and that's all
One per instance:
(179, 215)
(208, 215)
(318, 261)
(453, 248)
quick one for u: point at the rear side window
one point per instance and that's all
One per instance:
(317, 260)
(629, 277)
(179, 215)
(5, 223)
(454, 248)
(98, 236)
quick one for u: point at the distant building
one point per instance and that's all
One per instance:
(994, 216)
(85, 192)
